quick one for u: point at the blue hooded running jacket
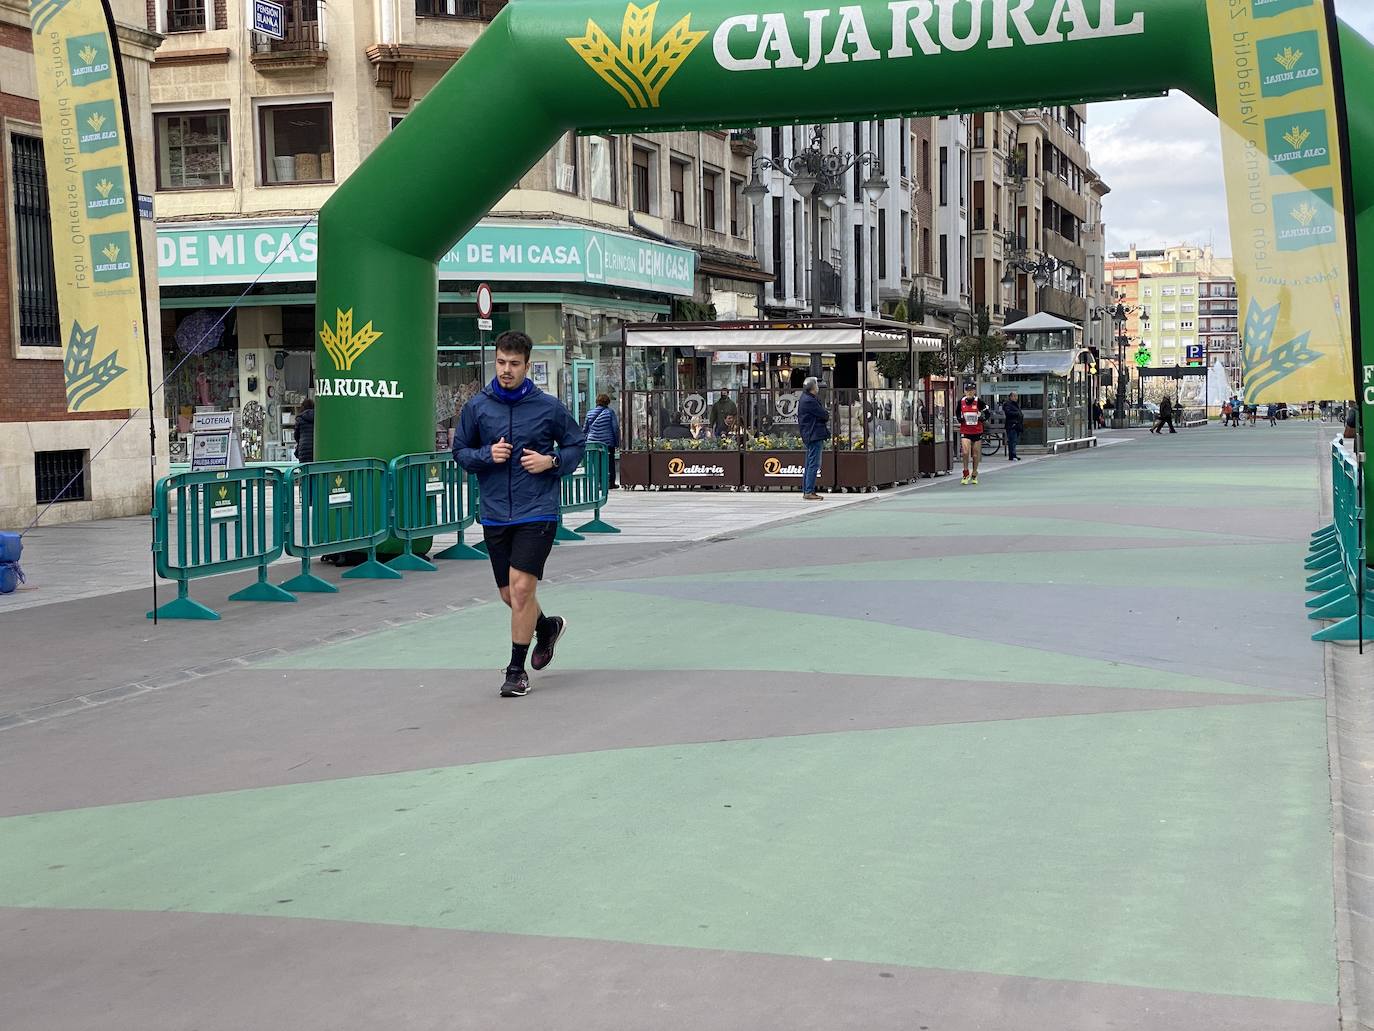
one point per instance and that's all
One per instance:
(533, 420)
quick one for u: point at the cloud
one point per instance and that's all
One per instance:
(1162, 159)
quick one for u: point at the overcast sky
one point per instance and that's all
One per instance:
(1162, 159)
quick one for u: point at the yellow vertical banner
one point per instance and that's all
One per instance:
(1281, 148)
(94, 237)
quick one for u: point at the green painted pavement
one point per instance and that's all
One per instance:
(1250, 567)
(898, 520)
(1183, 849)
(635, 631)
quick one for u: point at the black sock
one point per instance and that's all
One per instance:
(517, 656)
(544, 625)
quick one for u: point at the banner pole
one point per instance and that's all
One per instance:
(117, 59)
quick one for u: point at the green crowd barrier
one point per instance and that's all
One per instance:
(1337, 559)
(431, 494)
(217, 522)
(224, 522)
(587, 490)
(333, 507)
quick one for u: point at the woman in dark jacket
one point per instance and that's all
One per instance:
(305, 431)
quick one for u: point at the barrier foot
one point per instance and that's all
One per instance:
(461, 551)
(412, 563)
(1351, 629)
(481, 548)
(1330, 597)
(564, 534)
(1326, 580)
(372, 570)
(183, 606)
(308, 583)
(1329, 530)
(597, 525)
(262, 591)
(1342, 609)
(1331, 557)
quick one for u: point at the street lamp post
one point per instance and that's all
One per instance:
(1119, 314)
(817, 175)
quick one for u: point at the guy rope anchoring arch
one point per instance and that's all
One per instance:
(544, 67)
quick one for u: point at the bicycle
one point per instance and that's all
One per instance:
(992, 442)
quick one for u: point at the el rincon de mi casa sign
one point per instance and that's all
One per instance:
(283, 252)
(610, 66)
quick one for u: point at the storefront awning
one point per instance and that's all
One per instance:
(1040, 363)
(803, 337)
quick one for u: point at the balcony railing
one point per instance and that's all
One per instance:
(473, 10)
(302, 40)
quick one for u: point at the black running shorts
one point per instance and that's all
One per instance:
(972, 438)
(524, 546)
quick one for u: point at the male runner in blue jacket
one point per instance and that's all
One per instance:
(507, 436)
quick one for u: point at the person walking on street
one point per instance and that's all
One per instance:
(305, 431)
(813, 420)
(602, 427)
(1016, 424)
(1272, 411)
(1166, 417)
(519, 442)
(972, 414)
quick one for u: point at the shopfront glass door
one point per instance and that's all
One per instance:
(584, 388)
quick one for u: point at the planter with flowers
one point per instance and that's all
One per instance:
(779, 461)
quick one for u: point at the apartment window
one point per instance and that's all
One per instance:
(979, 141)
(906, 244)
(944, 175)
(1168, 291)
(925, 251)
(1186, 325)
(963, 179)
(1189, 307)
(904, 147)
(775, 141)
(779, 271)
(396, 120)
(677, 183)
(566, 176)
(193, 150)
(35, 278)
(944, 264)
(601, 160)
(882, 142)
(185, 16)
(739, 207)
(642, 171)
(710, 191)
(484, 9)
(882, 243)
(1146, 292)
(858, 266)
(297, 143)
(925, 165)
(800, 250)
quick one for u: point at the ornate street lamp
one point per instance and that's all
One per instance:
(1119, 314)
(818, 176)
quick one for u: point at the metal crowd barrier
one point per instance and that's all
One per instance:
(223, 522)
(1337, 558)
(431, 494)
(217, 522)
(335, 507)
(587, 490)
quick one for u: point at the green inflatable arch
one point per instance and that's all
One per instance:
(544, 67)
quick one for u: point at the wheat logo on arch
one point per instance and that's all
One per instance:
(637, 68)
(344, 346)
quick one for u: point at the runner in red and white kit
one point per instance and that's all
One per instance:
(972, 415)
